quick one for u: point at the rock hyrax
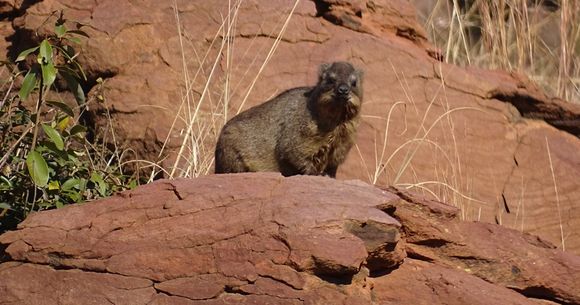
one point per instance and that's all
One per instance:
(306, 130)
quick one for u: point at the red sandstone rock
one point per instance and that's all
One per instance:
(8, 6)
(498, 255)
(39, 284)
(489, 132)
(423, 283)
(265, 239)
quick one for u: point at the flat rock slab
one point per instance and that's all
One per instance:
(266, 239)
(201, 238)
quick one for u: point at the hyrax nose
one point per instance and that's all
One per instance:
(343, 89)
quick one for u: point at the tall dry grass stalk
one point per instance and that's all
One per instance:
(557, 196)
(515, 35)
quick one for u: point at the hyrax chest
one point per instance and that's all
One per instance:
(332, 146)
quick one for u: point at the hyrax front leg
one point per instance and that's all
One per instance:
(330, 171)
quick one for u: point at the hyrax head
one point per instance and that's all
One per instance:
(341, 83)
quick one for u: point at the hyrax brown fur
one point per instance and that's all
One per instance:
(307, 130)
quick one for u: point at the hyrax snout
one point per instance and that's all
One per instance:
(306, 130)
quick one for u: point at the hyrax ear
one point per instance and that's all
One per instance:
(322, 70)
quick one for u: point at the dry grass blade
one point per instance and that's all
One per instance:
(456, 191)
(557, 196)
(379, 166)
(411, 155)
(269, 56)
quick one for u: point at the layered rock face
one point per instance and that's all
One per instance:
(488, 142)
(266, 239)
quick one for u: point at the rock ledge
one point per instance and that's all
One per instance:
(265, 239)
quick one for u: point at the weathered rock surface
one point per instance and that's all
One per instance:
(265, 239)
(489, 142)
(522, 262)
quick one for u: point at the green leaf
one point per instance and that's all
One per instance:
(78, 129)
(59, 204)
(62, 106)
(71, 153)
(27, 85)
(53, 185)
(97, 179)
(6, 181)
(70, 184)
(45, 52)
(82, 184)
(4, 205)
(37, 168)
(48, 74)
(61, 156)
(44, 204)
(132, 184)
(63, 124)
(60, 30)
(75, 88)
(74, 196)
(54, 136)
(23, 54)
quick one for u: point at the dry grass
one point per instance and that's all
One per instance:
(515, 35)
(394, 165)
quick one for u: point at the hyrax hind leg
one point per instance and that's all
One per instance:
(229, 161)
(298, 158)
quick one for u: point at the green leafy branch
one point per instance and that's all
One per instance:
(47, 161)
(47, 53)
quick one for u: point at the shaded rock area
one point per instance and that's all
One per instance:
(489, 142)
(266, 239)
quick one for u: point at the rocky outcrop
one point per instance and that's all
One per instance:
(489, 142)
(265, 239)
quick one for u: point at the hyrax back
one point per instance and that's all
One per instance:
(307, 130)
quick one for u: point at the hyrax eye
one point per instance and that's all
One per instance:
(353, 83)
